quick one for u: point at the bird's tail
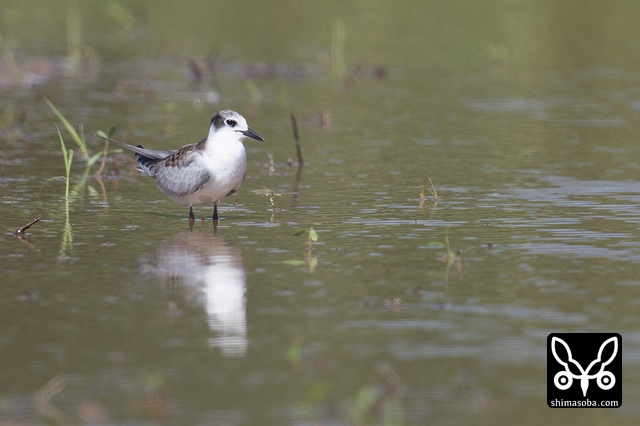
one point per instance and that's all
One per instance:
(144, 162)
(153, 154)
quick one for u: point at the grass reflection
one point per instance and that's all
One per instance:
(78, 189)
(311, 261)
(67, 236)
(451, 258)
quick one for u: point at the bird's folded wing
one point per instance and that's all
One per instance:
(177, 181)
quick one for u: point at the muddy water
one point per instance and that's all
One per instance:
(408, 309)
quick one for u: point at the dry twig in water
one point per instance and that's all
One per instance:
(297, 139)
(32, 222)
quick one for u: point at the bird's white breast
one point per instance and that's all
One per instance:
(227, 166)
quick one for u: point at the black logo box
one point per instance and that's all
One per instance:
(584, 349)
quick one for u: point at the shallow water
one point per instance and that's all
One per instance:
(406, 310)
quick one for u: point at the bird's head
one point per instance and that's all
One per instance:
(229, 123)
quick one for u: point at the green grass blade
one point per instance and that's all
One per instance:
(93, 159)
(67, 155)
(79, 140)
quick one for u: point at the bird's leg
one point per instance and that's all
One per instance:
(215, 211)
(215, 218)
(192, 218)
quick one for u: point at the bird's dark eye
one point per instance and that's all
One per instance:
(230, 122)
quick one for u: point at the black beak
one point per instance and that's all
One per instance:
(253, 135)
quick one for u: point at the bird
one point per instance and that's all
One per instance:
(203, 172)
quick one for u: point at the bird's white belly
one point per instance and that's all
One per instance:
(226, 177)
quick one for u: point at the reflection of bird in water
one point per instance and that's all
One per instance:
(211, 273)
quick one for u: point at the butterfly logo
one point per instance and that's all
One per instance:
(573, 370)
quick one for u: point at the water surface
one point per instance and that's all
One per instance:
(406, 310)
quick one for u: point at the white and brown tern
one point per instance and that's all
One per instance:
(203, 172)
